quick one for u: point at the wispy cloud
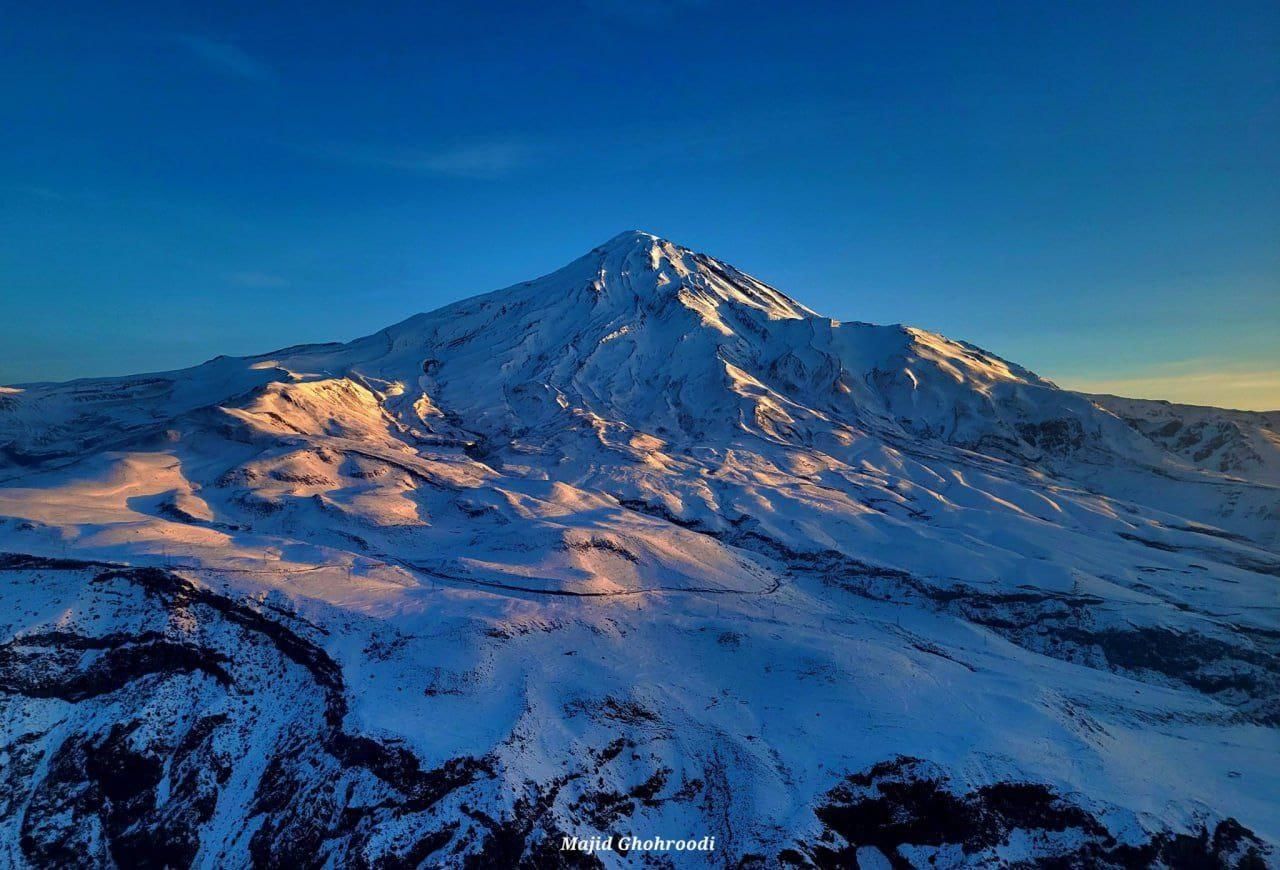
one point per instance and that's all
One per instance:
(485, 160)
(45, 193)
(258, 280)
(482, 160)
(227, 58)
(1194, 382)
(715, 138)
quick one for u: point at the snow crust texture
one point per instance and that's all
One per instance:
(644, 547)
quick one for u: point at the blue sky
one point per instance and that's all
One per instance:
(1090, 189)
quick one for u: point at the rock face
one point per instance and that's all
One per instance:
(641, 547)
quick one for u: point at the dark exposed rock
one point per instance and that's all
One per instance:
(1056, 436)
(100, 795)
(914, 815)
(99, 798)
(48, 665)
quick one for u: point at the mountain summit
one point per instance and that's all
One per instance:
(641, 265)
(644, 338)
(646, 545)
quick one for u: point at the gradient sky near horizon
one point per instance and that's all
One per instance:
(1089, 189)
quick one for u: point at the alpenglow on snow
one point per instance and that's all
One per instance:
(642, 547)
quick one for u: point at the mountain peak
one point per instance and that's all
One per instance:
(641, 263)
(631, 243)
(629, 238)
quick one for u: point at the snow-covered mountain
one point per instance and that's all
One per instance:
(643, 546)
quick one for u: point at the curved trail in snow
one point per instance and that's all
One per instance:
(775, 585)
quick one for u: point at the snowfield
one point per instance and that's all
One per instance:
(641, 548)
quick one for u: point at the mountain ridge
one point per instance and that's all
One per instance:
(742, 345)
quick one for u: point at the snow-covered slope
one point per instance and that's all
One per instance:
(641, 546)
(1244, 444)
